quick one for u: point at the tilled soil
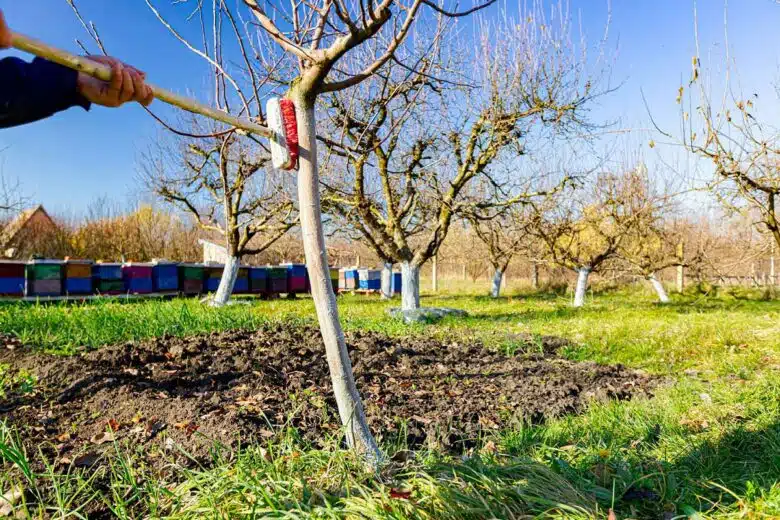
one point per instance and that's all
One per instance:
(244, 386)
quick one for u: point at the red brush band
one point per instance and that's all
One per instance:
(287, 108)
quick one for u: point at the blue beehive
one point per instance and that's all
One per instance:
(350, 279)
(242, 281)
(12, 278)
(258, 280)
(78, 277)
(369, 279)
(165, 277)
(397, 283)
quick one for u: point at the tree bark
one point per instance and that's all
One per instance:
(435, 275)
(582, 285)
(659, 288)
(498, 276)
(387, 281)
(410, 286)
(680, 267)
(350, 406)
(535, 276)
(227, 282)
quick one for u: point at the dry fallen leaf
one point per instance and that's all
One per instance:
(8, 499)
(87, 460)
(113, 424)
(612, 515)
(102, 438)
(400, 494)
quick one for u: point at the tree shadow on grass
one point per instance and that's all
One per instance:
(715, 475)
(745, 462)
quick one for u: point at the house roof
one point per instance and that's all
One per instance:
(20, 222)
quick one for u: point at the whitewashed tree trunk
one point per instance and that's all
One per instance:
(498, 276)
(387, 281)
(582, 286)
(227, 282)
(535, 275)
(410, 286)
(350, 406)
(659, 288)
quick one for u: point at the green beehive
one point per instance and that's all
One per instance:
(44, 277)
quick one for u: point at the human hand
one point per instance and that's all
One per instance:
(126, 84)
(5, 33)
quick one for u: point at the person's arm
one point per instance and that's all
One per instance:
(33, 91)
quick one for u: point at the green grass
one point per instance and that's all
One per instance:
(707, 444)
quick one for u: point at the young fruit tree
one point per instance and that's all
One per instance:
(584, 231)
(320, 48)
(404, 150)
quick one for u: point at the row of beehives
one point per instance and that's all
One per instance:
(52, 278)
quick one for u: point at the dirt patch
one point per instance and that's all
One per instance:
(248, 385)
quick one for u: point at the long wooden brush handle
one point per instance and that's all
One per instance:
(103, 72)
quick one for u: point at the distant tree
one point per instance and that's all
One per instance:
(585, 232)
(228, 190)
(406, 147)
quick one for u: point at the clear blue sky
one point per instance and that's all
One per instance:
(67, 160)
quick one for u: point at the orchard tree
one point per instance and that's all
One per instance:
(304, 50)
(404, 150)
(228, 189)
(584, 232)
(319, 48)
(651, 248)
(725, 127)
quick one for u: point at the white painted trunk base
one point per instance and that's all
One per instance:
(387, 281)
(659, 289)
(226, 283)
(495, 290)
(535, 275)
(410, 287)
(350, 406)
(582, 286)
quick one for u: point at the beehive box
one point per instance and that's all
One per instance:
(297, 278)
(107, 278)
(242, 281)
(258, 280)
(350, 279)
(137, 278)
(397, 283)
(213, 276)
(334, 279)
(369, 279)
(44, 277)
(165, 277)
(191, 278)
(78, 277)
(12, 278)
(277, 279)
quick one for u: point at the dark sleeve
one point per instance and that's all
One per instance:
(33, 91)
